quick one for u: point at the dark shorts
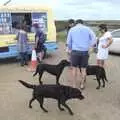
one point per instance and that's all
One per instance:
(79, 58)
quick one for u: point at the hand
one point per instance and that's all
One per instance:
(104, 46)
(91, 50)
(68, 50)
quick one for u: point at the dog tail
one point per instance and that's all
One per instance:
(106, 78)
(27, 84)
(36, 71)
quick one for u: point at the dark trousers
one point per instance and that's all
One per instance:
(23, 58)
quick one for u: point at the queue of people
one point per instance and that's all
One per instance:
(80, 39)
(23, 46)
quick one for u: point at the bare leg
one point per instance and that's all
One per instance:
(74, 74)
(83, 73)
(101, 63)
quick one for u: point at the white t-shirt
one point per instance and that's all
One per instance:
(103, 52)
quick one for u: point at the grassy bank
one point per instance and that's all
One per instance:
(61, 27)
(112, 24)
(61, 36)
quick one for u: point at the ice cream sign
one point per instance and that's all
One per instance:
(40, 19)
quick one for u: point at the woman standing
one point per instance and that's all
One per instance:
(105, 41)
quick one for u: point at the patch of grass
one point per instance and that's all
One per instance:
(62, 36)
(61, 25)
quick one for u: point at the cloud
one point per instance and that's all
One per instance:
(88, 10)
(93, 10)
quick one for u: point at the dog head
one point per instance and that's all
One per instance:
(75, 93)
(65, 63)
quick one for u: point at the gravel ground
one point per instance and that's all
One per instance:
(103, 104)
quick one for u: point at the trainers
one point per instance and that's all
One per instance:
(82, 87)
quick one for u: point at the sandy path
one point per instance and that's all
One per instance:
(103, 104)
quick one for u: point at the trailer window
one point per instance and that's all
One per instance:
(5, 23)
(41, 20)
(19, 19)
(10, 22)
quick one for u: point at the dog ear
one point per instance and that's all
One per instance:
(63, 62)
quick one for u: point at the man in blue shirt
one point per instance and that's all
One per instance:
(80, 38)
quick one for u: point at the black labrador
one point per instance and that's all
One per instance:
(59, 92)
(99, 72)
(52, 69)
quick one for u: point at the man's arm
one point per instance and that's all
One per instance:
(69, 41)
(93, 39)
(109, 42)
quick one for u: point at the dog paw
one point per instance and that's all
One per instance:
(41, 83)
(62, 109)
(71, 113)
(30, 107)
(103, 86)
(57, 83)
(98, 88)
(94, 79)
(45, 111)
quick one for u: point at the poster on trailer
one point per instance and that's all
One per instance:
(41, 20)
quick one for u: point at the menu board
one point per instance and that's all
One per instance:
(5, 23)
(41, 20)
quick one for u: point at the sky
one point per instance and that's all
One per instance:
(78, 9)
